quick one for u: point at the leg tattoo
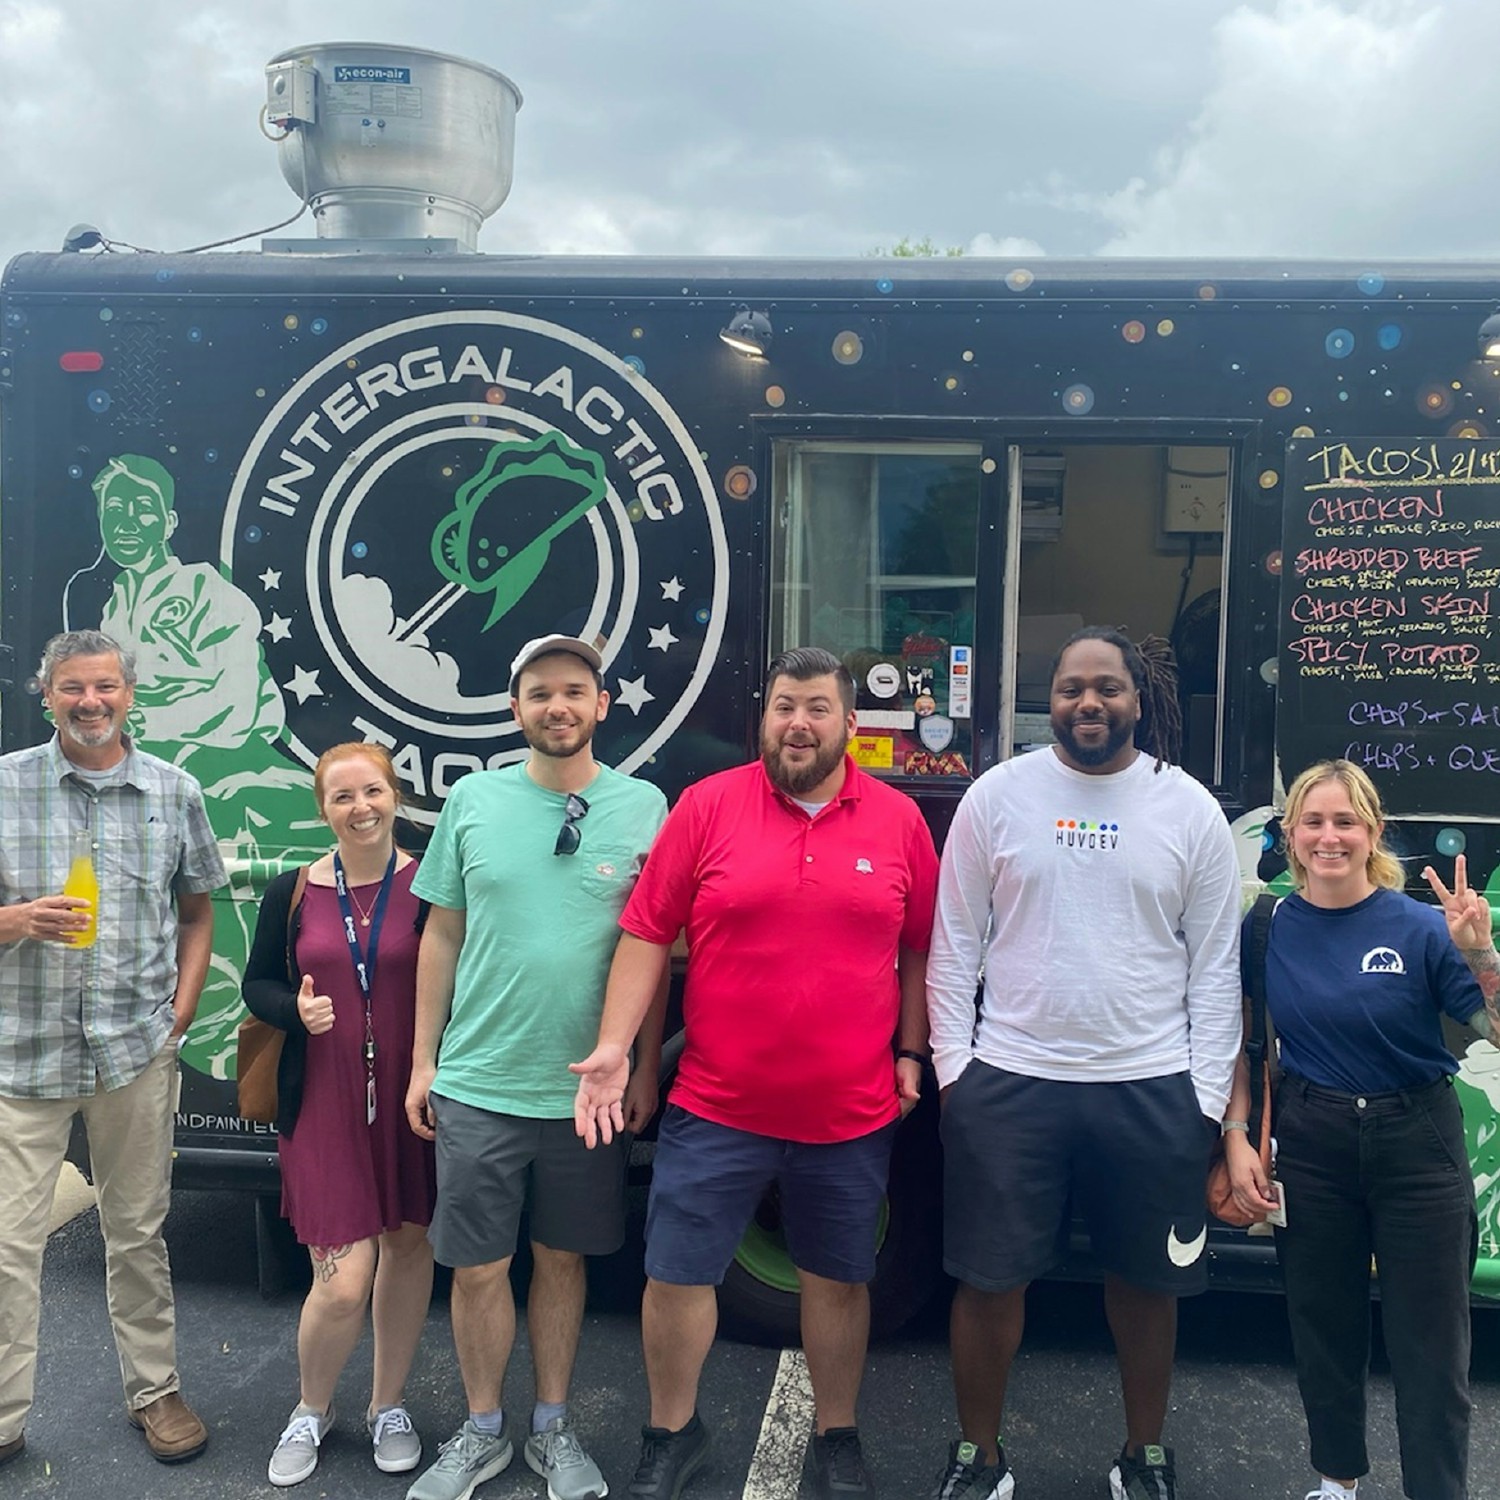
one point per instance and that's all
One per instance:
(325, 1259)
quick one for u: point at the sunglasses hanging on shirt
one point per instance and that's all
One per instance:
(568, 836)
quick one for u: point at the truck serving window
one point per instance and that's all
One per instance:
(874, 559)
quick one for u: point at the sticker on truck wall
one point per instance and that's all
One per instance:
(873, 752)
(960, 683)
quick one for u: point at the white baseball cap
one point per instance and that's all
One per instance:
(543, 645)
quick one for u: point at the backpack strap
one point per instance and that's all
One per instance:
(1255, 987)
(298, 887)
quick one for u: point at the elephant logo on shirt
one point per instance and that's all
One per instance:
(1382, 961)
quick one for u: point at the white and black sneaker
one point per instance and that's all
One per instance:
(1151, 1475)
(968, 1477)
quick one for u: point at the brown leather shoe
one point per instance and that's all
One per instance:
(13, 1449)
(173, 1431)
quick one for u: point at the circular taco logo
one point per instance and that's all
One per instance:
(438, 491)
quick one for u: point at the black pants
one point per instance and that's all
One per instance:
(1383, 1175)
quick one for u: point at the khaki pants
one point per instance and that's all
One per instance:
(130, 1148)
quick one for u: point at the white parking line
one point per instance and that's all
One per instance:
(776, 1470)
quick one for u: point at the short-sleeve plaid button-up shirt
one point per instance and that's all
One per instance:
(71, 1016)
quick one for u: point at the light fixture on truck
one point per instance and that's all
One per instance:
(1489, 337)
(748, 333)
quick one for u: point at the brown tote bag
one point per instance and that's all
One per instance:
(258, 1044)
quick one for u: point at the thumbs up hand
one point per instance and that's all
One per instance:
(316, 1010)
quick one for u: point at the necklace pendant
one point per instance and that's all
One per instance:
(364, 921)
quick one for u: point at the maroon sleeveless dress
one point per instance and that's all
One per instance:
(342, 1179)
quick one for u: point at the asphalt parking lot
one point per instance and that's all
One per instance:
(1235, 1422)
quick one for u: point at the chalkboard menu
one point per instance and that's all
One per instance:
(1389, 650)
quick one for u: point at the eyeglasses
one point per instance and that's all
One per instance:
(568, 836)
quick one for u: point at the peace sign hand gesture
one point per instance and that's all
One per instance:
(1465, 909)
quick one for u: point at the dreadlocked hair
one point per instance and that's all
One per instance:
(1153, 669)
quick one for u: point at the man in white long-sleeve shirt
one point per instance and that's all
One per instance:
(1096, 887)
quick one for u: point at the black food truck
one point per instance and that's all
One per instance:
(371, 463)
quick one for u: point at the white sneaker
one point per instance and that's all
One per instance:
(296, 1454)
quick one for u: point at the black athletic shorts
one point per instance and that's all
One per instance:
(1022, 1156)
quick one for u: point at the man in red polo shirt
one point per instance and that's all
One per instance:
(807, 889)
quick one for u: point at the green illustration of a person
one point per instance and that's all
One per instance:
(206, 702)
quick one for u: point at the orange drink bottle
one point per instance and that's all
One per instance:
(83, 883)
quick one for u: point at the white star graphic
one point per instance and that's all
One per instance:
(278, 627)
(661, 639)
(304, 684)
(270, 579)
(633, 695)
(672, 589)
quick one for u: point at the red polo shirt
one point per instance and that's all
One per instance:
(793, 924)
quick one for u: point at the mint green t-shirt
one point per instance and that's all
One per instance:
(540, 932)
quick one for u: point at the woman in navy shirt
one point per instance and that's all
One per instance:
(1371, 1159)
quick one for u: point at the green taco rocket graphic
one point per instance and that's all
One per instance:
(497, 537)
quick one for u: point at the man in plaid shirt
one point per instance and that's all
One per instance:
(94, 1030)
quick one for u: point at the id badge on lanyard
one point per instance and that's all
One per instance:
(364, 965)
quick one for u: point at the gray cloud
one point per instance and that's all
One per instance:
(1329, 129)
(1281, 127)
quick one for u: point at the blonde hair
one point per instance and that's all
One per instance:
(1382, 867)
(335, 755)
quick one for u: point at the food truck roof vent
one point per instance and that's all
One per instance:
(391, 143)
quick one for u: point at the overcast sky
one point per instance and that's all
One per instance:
(1363, 129)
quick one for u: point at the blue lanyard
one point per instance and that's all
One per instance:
(364, 968)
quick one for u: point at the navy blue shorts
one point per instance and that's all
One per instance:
(708, 1178)
(1022, 1155)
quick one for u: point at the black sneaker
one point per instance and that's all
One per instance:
(838, 1465)
(1152, 1476)
(966, 1478)
(669, 1460)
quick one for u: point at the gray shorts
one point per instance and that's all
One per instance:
(491, 1166)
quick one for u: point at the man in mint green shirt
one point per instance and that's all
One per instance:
(528, 871)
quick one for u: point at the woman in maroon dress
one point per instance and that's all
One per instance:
(336, 970)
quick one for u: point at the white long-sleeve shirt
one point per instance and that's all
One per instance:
(1114, 948)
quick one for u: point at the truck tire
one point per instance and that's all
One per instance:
(758, 1300)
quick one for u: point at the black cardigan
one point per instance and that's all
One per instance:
(270, 990)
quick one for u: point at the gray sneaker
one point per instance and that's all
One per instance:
(465, 1461)
(559, 1458)
(397, 1446)
(296, 1454)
